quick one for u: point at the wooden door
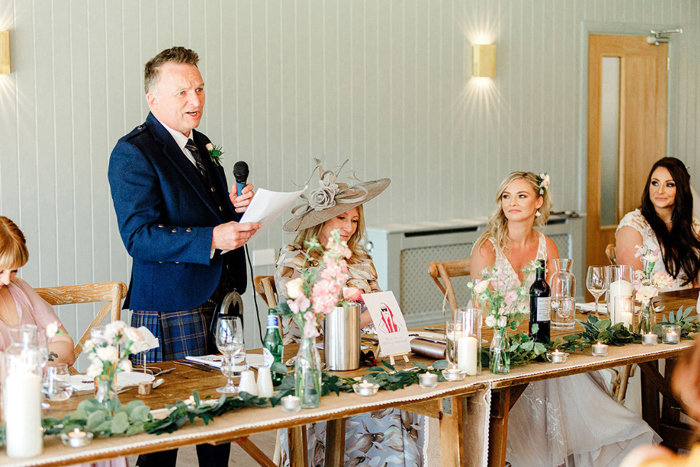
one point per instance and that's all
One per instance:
(627, 98)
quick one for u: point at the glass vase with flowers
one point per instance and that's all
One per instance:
(505, 305)
(647, 284)
(308, 299)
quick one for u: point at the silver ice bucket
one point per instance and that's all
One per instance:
(341, 338)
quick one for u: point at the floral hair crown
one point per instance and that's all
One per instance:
(543, 182)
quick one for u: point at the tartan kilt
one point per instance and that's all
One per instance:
(181, 333)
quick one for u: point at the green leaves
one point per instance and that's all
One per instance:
(689, 324)
(600, 330)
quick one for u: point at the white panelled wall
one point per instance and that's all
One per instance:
(385, 83)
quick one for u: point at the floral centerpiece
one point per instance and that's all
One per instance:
(109, 349)
(309, 298)
(647, 284)
(505, 305)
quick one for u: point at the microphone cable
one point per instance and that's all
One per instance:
(255, 294)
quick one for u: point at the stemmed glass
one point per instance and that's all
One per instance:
(229, 341)
(597, 283)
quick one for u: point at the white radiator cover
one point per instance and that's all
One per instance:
(401, 254)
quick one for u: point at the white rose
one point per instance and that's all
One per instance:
(294, 288)
(114, 328)
(89, 345)
(125, 366)
(95, 369)
(51, 330)
(481, 286)
(108, 353)
(650, 258)
(502, 321)
(490, 321)
(210, 147)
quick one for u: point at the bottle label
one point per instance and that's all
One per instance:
(544, 309)
(268, 359)
(273, 321)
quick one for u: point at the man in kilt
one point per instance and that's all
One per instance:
(178, 222)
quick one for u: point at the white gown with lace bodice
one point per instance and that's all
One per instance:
(638, 222)
(572, 420)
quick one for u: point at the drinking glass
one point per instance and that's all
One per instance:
(597, 283)
(56, 385)
(42, 344)
(453, 332)
(229, 341)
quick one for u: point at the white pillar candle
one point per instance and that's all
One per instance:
(619, 288)
(626, 318)
(22, 404)
(247, 383)
(467, 354)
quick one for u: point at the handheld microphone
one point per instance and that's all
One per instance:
(240, 173)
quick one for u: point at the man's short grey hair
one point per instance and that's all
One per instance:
(174, 55)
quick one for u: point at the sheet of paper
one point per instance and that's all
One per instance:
(266, 207)
(388, 322)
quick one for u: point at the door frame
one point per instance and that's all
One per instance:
(621, 29)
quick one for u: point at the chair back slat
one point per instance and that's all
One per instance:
(266, 289)
(112, 293)
(442, 271)
(611, 253)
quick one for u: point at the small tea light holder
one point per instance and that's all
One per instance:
(76, 438)
(291, 404)
(650, 339)
(453, 374)
(365, 388)
(599, 350)
(671, 334)
(427, 380)
(557, 356)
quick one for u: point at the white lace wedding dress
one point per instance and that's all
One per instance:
(570, 421)
(638, 222)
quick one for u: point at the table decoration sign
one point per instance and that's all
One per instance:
(389, 323)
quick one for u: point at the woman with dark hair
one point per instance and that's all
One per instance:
(665, 223)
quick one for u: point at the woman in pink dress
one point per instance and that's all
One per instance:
(19, 303)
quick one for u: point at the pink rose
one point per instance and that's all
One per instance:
(353, 294)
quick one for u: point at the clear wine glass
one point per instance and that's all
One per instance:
(229, 341)
(56, 385)
(597, 283)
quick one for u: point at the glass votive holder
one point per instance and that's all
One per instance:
(365, 388)
(599, 350)
(650, 339)
(76, 438)
(427, 380)
(291, 404)
(453, 374)
(671, 334)
(557, 356)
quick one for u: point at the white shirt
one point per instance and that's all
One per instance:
(181, 141)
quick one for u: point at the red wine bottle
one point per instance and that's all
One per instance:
(540, 306)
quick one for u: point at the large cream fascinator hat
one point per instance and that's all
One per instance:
(331, 198)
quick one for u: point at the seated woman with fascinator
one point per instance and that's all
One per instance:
(332, 206)
(571, 420)
(665, 224)
(19, 303)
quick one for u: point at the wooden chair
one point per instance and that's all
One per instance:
(611, 253)
(443, 271)
(265, 287)
(112, 293)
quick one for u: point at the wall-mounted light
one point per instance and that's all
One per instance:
(484, 61)
(5, 52)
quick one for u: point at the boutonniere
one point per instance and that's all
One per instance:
(215, 153)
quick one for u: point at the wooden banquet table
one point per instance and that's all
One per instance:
(464, 409)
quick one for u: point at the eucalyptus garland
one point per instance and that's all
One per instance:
(689, 324)
(135, 417)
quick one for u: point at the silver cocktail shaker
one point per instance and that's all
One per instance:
(341, 338)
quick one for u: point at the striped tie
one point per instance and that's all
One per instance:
(197, 157)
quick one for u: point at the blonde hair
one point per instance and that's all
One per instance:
(355, 243)
(13, 245)
(498, 223)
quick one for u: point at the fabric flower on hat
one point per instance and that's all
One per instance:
(323, 197)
